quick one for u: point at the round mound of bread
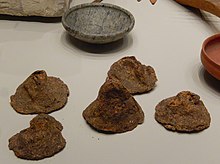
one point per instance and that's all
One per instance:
(41, 140)
(114, 110)
(136, 77)
(40, 93)
(184, 112)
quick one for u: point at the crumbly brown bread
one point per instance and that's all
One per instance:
(184, 112)
(136, 77)
(42, 139)
(40, 93)
(114, 110)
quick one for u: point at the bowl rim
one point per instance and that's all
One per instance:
(204, 45)
(74, 32)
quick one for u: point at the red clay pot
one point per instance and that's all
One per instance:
(210, 55)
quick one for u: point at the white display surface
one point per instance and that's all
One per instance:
(166, 36)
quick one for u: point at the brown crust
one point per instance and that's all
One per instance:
(114, 110)
(40, 93)
(184, 112)
(136, 77)
(42, 139)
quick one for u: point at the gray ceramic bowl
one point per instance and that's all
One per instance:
(98, 23)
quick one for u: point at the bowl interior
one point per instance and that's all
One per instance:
(98, 20)
(212, 49)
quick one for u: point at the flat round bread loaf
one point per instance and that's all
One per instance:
(133, 75)
(42, 139)
(184, 112)
(40, 93)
